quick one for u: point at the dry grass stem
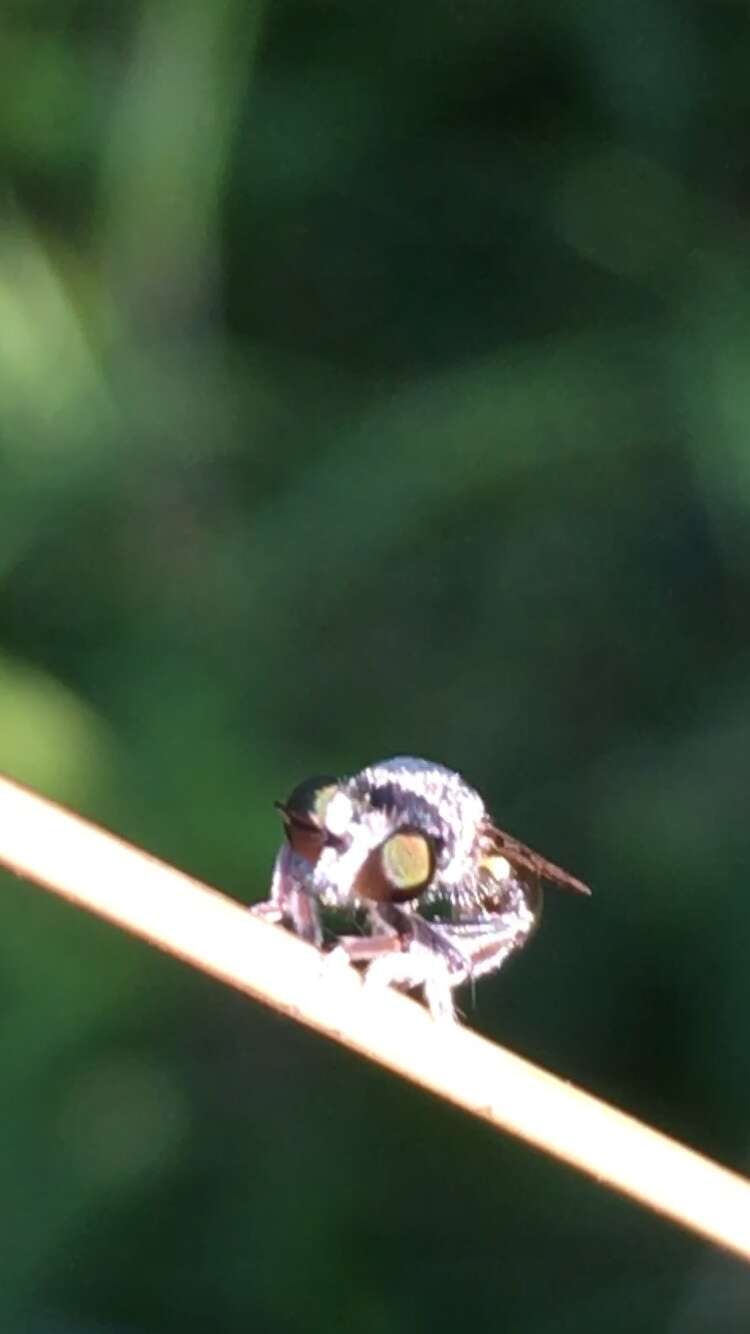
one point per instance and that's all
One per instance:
(47, 844)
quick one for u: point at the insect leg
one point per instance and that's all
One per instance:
(440, 956)
(363, 949)
(411, 966)
(486, 942)
(415, 954)
(289, 901)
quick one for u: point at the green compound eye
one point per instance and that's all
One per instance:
(303, 814)
(307, 803)
(407, 861)
(321, 798)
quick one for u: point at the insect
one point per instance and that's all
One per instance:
(407, 848)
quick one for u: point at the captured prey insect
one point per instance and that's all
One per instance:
(408, 850)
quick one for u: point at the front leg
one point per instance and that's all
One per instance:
(439, 956)
(290, 903)
(410, 954)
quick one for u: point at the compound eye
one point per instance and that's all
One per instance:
(400, 869)
(304, 813)
(501, 884)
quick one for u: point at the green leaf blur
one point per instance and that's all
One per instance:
(373, 380)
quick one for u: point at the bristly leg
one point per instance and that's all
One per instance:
(290, 903)
(437, 957)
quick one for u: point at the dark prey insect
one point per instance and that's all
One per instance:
(409, 848)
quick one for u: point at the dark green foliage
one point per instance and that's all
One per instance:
(373, 379)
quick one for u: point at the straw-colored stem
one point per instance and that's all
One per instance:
(49, 845)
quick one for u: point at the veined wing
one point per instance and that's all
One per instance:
(525, 859)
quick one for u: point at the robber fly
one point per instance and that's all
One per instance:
(409, 847)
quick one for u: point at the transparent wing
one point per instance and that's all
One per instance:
(524, 859)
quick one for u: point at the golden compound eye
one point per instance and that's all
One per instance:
(400, 869)
(499, 881)
(496, 867)
(407, 861)
(494, 873)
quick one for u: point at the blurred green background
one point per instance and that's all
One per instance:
(373, 379)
